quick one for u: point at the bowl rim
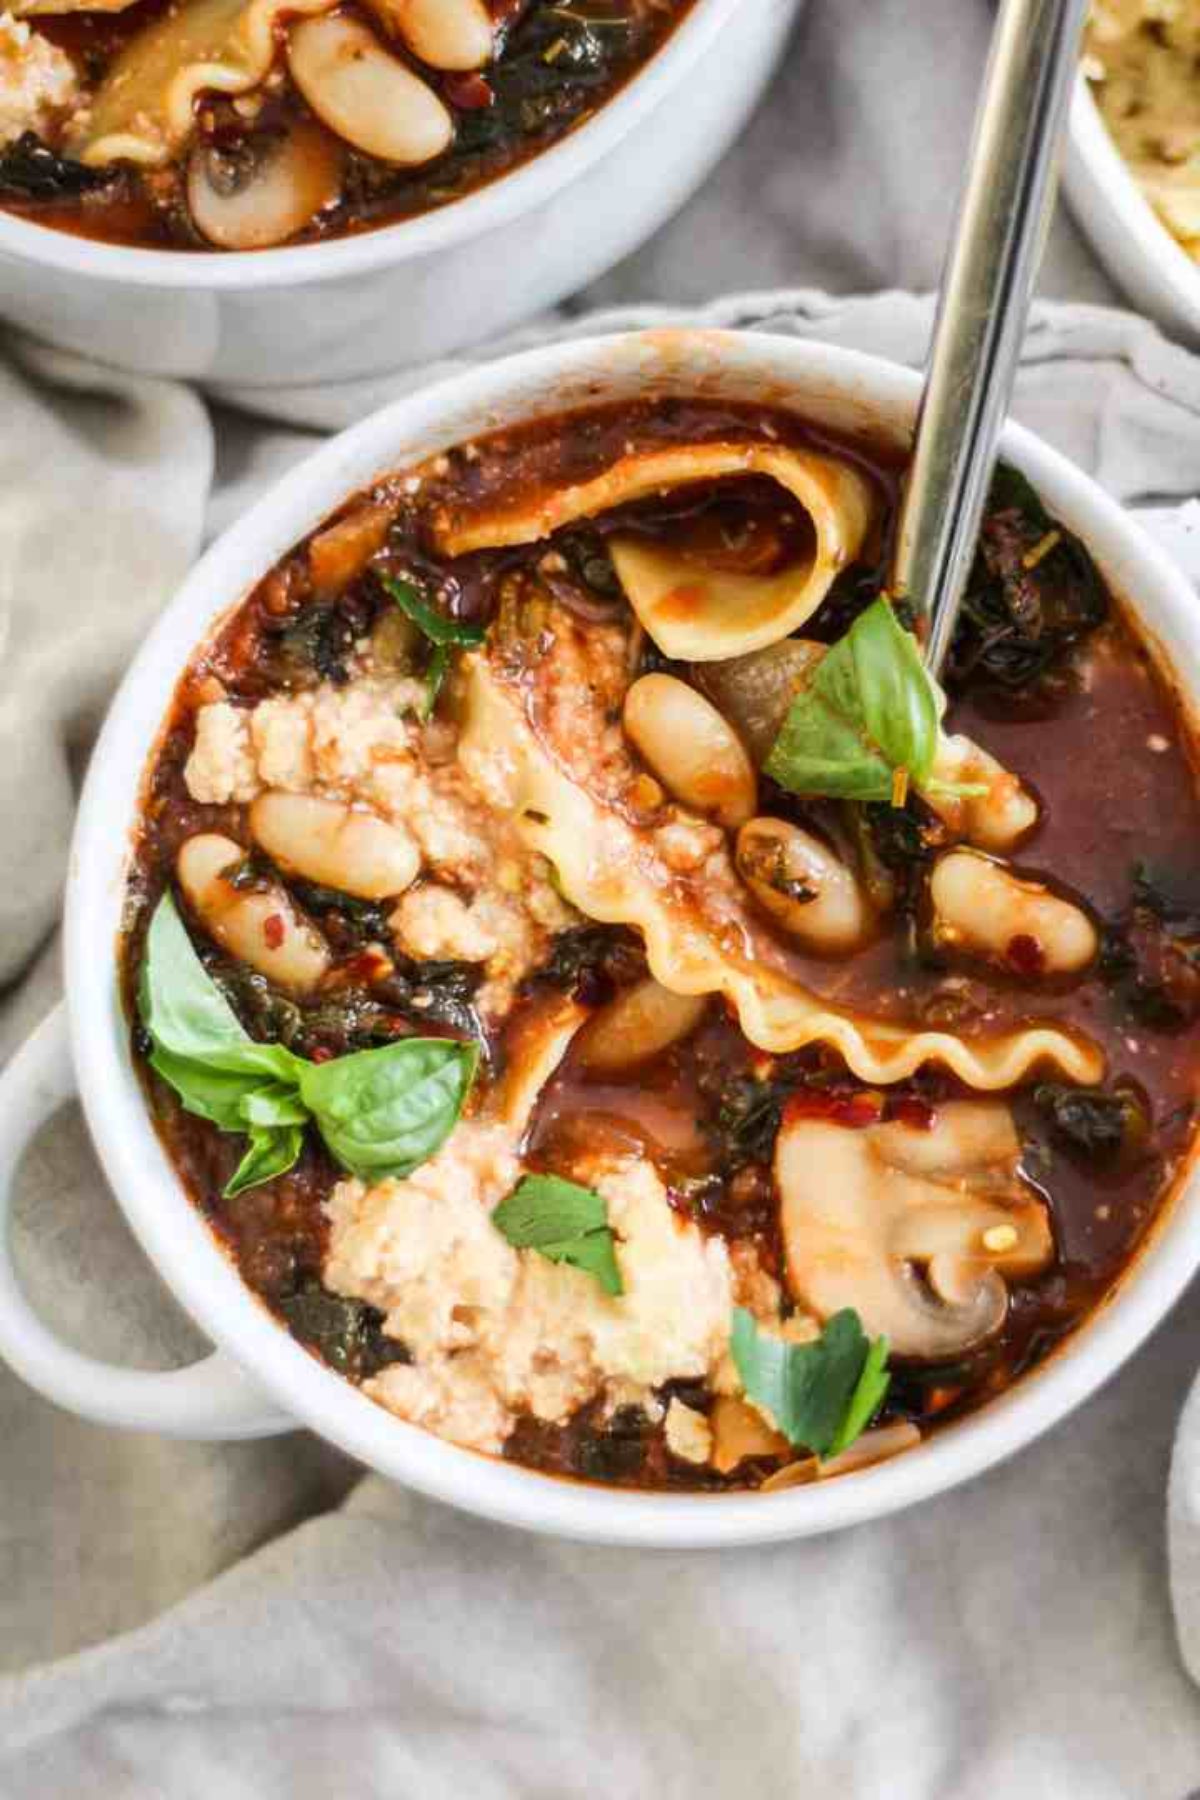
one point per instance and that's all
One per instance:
(175, 1236)
(479, 212)
(1097, 175)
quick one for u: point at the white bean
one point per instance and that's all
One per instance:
(446, 34)
(695, 752)
(335, 845)
(994, 820)
(801, 883)
(984, 908)
(259, 928)
(365, 94)
(639, 1024)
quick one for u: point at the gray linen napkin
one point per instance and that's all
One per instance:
(1011, 1639)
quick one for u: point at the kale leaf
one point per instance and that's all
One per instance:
(1034, 593)
(30, 170)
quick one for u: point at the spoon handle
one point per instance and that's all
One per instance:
(987, 284)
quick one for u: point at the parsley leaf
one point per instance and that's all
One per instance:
(822, 1395)
(869, 710)
(562, 1222)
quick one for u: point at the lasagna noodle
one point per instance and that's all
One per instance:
(143, 109)
(596, 856)
(693, 611)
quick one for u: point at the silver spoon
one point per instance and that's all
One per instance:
(987, 285)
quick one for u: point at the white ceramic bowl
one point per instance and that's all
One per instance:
(1128, 236)
(418, 290)
(284, 1384)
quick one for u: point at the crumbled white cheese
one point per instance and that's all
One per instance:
(361, 742)
(221, 767)
(436, 924)
(424, 1250)
(37, 80)
(543, 1337)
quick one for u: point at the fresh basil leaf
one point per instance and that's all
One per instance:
(821, 1395)
(384, 1112)
(182, 1008)
(820, 751)
(381, 1112)
(432, 624)
(273, 1105)
(563, 1222)
(217, 1095)
(896, 700)
(272, 1151)
(869, 709)
(186, 1013)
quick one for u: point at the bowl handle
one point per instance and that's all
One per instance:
(211, 1399)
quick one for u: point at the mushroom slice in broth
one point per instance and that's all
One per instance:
(264, 192)
(914, 1228)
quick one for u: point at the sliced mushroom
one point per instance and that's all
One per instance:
(876, 1446)
(642, 1022)
(756, 690)
(983, 908)
(695, 752)
(265, 192)
(914, 1228)
(365, 94)
(801, 883)
(258, 926)
(446, 34)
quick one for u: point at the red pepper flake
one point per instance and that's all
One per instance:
(840, 1106)
(274, 930)
(917, 1114)
(1026, 955)
(468, 92)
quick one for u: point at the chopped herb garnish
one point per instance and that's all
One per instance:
(381, 1112)
(868, 714)
(429, 621)
(821, 1396)
(443, 634)
(563, 1222)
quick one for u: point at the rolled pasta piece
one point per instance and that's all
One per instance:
(693, 609)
